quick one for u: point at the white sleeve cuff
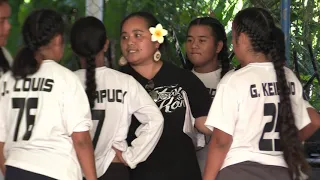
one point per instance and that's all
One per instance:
(84, 125)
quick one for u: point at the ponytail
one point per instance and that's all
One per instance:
(91, 84)
(39, 28)
(223, 56)
(88, 37)
(289, 140)
(24, 63)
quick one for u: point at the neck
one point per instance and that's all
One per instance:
(254, 58)
(99, 62)
(208, 67)
(148, 70)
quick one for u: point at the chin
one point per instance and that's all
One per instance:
(198, 63)
(133, 61)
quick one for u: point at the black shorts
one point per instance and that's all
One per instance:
(253, 171)
(116, 171)
(13, 173)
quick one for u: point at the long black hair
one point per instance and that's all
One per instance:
(40, 27)
(88, 37)
(219, 33)
(259, 26)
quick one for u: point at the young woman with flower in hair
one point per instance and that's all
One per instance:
(178, 93)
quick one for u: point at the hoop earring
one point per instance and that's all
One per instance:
(157, 56)
(122, 61)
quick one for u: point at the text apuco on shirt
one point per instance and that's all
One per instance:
(269, 89)
(111, 95)
(170, 98)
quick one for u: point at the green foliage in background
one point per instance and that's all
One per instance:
(175, 15)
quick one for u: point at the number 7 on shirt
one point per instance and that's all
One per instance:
(97, 115)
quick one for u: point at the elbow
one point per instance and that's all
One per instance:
(222, 140)
(81, 139)
(200, 125)
(203, 129)
(314, 117)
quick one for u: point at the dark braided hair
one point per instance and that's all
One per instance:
(259, 26)
(40, 27)
(219, 33)
(88, 37)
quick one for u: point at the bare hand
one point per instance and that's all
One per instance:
(119, 156)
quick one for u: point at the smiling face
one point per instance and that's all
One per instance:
(136, 44)
(201, 45)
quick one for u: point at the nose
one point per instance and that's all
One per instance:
(130, 41)
(195, 44)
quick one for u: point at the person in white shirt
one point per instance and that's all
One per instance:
(44, 112)
(207, 50)
(5, 26)
(258, 110)
(114, 98)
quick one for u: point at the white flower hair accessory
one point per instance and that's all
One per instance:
(158, 33)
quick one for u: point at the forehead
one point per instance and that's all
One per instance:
(5, 10)
(134, 23)
(200, 30)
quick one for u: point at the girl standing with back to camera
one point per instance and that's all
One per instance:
(174, 157)
(114, 97)
(44, 112)
(258, 111)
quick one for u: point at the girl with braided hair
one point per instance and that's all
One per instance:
(114, 98)
(44, 112)
(207, 50)
(258, 112)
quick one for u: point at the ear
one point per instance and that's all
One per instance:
(57, 40)
(157, 45)
(244, 39)
(219, 46)
(106, 46)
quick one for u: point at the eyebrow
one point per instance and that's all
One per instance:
(198, 36)
(135, 30)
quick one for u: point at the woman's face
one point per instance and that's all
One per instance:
(136, 44)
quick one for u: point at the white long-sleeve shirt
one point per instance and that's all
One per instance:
(119, 96)
(38, 115)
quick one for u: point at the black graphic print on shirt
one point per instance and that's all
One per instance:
(212, 92)
(170, 97)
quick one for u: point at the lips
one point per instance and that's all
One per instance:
(130, 51)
